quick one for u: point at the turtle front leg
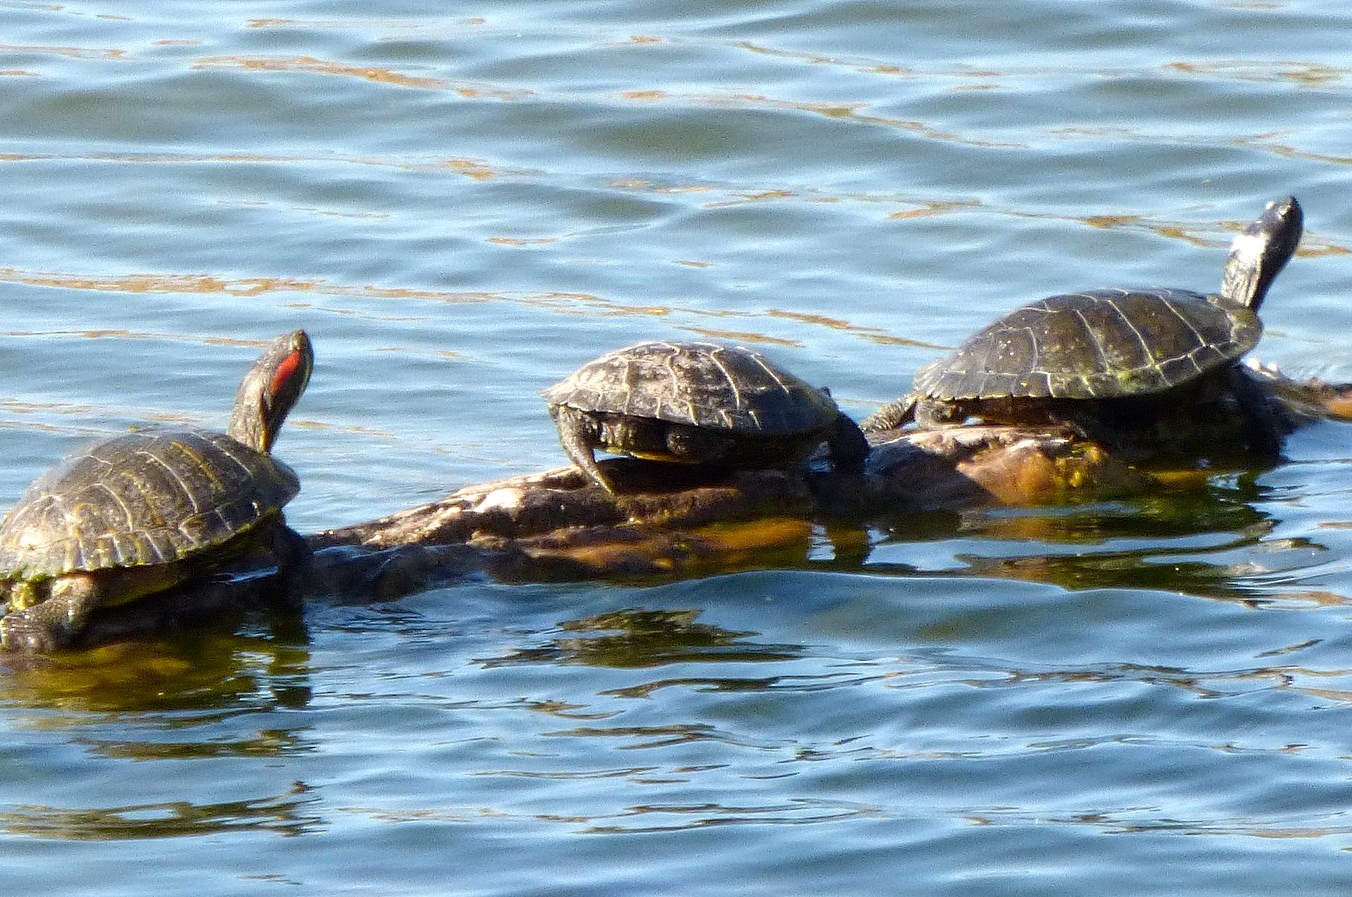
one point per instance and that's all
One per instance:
(1265, 421)
(578, 433)
(847, 443)
(56, 622)
(294, 560)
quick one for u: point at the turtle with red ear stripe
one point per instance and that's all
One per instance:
(135, 515)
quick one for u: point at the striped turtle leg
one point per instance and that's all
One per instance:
(577, 435)
(891, 416)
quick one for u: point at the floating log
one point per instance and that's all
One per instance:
(672, 521)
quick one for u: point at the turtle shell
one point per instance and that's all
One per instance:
(156, 496)
(703, 385)
(1100, 344)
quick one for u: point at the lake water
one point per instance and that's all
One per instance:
(462, 206)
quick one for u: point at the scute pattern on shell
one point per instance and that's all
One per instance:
(1095, 345)
(150, 497)
(702, 384)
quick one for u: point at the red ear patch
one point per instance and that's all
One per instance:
(285, 371)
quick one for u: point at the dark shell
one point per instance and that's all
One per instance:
(151, 497)
(701, 384)
(1095, 345)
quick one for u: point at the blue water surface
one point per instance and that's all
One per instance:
(463, 205)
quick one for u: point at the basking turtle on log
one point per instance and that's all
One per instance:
(135, 515)
(1145, 372)
(697, 403)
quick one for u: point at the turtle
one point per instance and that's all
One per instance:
(697, 403)
(133, 515)
(1105, 359)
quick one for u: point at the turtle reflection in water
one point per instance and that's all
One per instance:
(1147, 371)
(137, 514)
(697, 403)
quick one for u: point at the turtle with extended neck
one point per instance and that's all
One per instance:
(134, 515)
(1114, 363)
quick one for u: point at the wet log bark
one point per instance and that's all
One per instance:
(558, 524)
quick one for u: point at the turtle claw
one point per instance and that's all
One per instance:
(21, 631)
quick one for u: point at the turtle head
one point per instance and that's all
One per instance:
(269, 389)
(1260, 252)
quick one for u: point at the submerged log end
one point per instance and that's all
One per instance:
(1334, 401)
(964, 467)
